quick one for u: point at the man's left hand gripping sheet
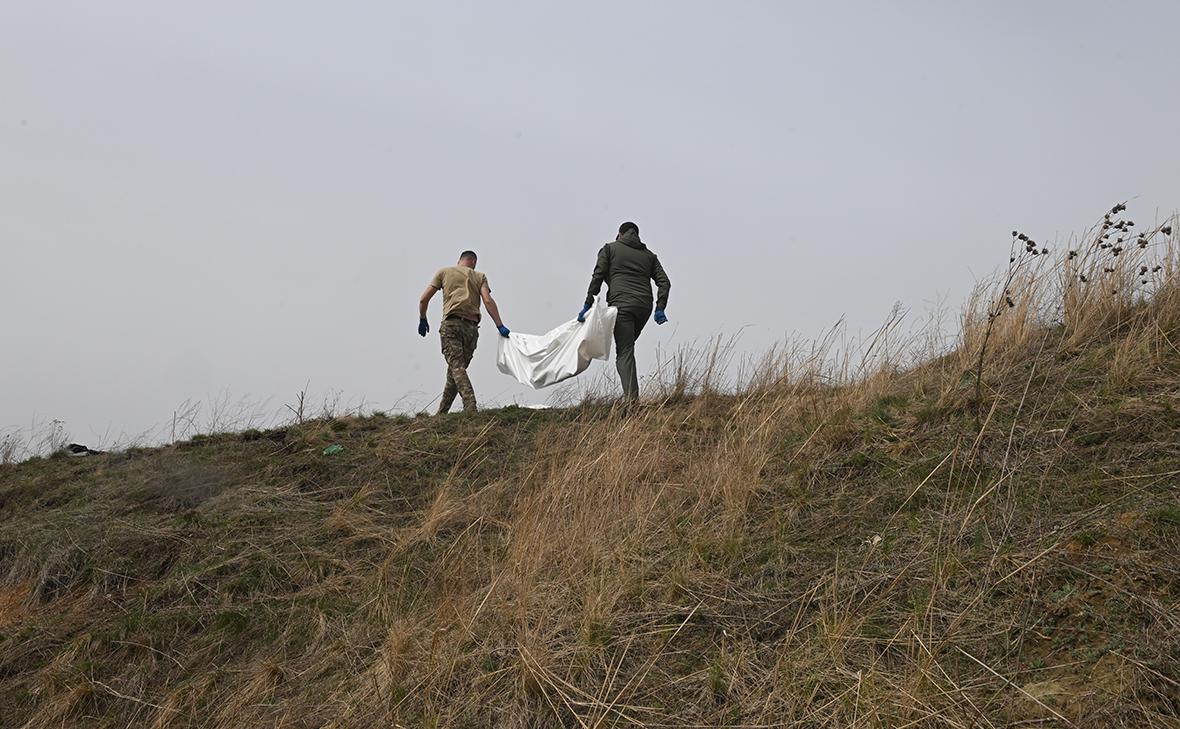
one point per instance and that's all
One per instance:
(541, 360)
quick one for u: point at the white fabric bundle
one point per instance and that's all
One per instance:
(541, 360)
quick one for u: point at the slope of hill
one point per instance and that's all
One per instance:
(826, 547)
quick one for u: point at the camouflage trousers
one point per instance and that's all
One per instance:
(459, 338)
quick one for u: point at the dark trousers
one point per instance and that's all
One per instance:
(628, 325)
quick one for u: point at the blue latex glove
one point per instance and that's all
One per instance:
(661, 317)
(423, 327)
(504, 332)
(582, 314)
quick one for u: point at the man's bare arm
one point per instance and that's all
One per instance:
(424, 300)
(489, 303)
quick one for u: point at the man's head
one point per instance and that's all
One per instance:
(468, 259)
(628, 227)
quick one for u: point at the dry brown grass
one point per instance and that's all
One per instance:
(832, 541)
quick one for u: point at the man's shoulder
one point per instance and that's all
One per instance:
(613, 248)
(455, 272)
(618, 246)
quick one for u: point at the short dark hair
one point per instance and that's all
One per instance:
(628, 226)
(468, 254)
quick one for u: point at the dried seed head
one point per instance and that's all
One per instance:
(1166, 230)
(1083, 278)
(1045, 251)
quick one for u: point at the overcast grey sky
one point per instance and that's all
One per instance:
(197, 197)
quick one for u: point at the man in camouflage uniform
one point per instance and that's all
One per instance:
(628, 268)
(463, 289)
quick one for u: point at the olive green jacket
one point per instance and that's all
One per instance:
(628, 268)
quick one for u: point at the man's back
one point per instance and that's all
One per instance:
(628, 267)
(460, 286)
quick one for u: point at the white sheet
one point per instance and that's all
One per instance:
(541, 360)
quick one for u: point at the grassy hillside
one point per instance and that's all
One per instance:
(943, 544)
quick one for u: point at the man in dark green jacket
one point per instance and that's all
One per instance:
(628, 268)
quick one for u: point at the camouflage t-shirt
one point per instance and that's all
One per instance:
(460, 286)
